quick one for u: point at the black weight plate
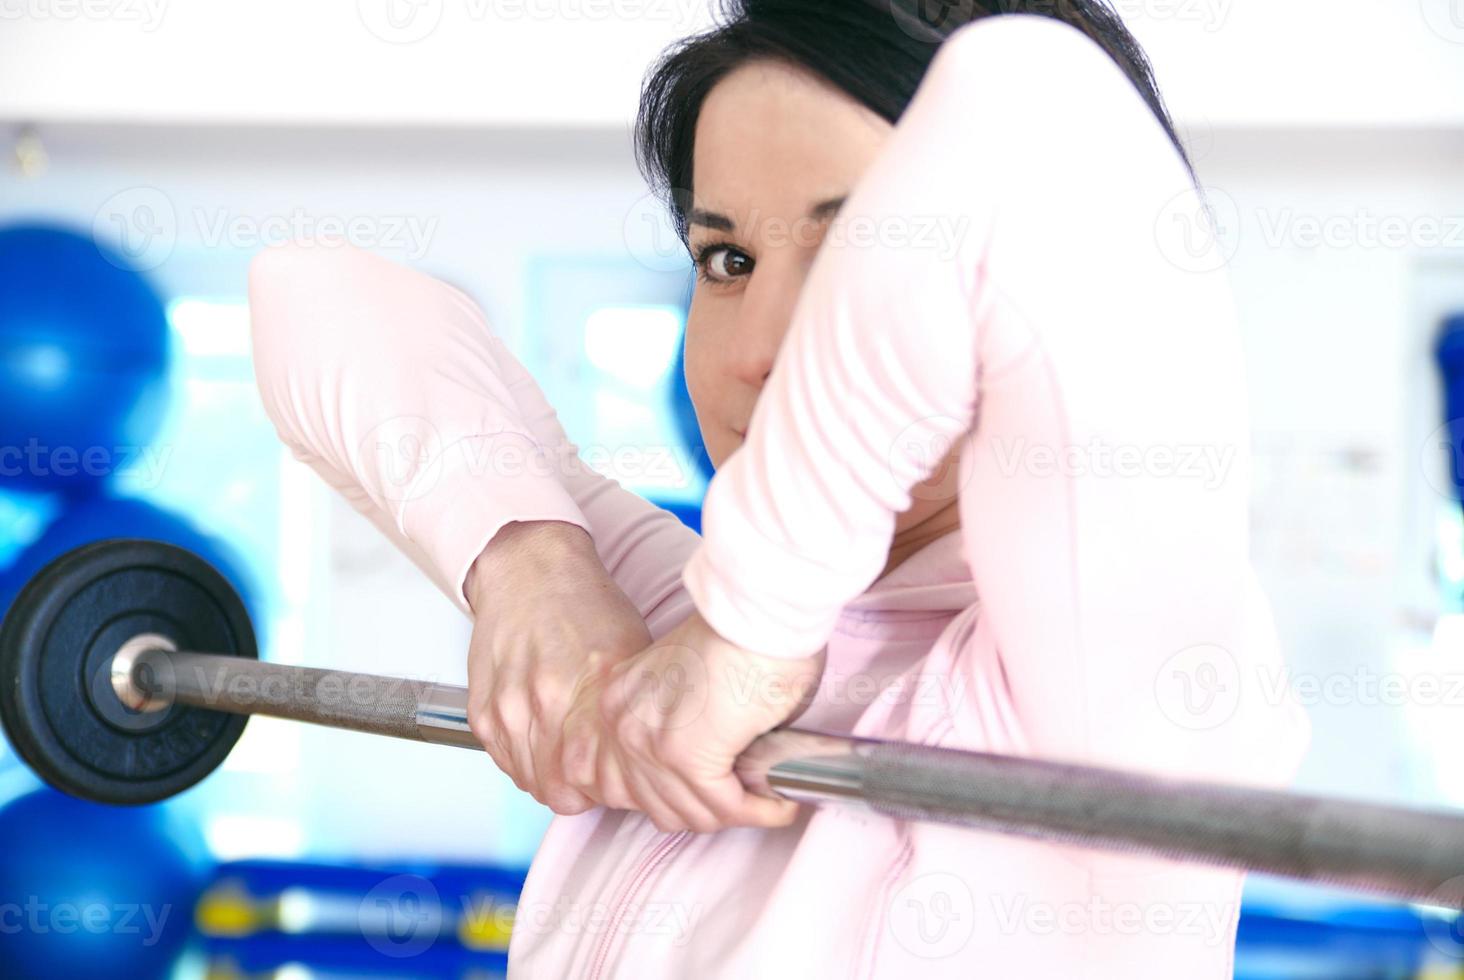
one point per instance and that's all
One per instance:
(56, 646)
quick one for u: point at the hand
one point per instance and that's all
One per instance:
(660, 732)
(545, 613)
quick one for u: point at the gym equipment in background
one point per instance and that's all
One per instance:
(83, 360)
(105, 516)
(77, 904)
(1449, 355)
(683, 414)
(60, 711)
(102, 692)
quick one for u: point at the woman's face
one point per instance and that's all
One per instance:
(775, 153)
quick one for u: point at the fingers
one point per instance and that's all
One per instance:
(598, 766)
(617, 777)
(513, 722)
(674, 803)
(651, 732)
(502, 726)
(734, 806)
(519, 732)
(534, 647)
(552, 790)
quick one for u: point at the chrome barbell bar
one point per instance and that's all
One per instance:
(1392, 851)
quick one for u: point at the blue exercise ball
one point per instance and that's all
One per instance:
(683, 414)
(105, 516)
(92, 890)
(83, 360)
(1449, 353)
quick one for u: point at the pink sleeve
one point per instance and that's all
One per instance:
(1043, 175)
(1080, 343)
(392, 386)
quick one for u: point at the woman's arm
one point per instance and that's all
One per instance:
(1093, 379)
(1036, 152)
(1094, 386)
(392, 386)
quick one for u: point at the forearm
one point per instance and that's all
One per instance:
(393, 387)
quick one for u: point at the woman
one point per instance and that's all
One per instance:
(921, 527)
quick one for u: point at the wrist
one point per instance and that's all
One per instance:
(525, 549)
(786, 683)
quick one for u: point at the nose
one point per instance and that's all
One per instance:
(765, 315)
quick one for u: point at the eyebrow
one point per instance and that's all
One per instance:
(720, 222)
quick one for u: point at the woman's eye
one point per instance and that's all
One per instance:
(722, 263)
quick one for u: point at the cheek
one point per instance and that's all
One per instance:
(711, 388)
(702, 362)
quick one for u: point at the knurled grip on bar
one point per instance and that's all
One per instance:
(1405, 853)
(338, 699)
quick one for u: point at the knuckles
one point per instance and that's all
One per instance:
(484, 728)
(577, 761)
(566, 802)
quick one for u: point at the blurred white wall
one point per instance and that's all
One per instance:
(548, 63)
(1347, 251)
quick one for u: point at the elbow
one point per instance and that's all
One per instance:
(1047, 70)
(299, 324)
(1019, 47)
(278, 278)
(304, 317)
(292, 289)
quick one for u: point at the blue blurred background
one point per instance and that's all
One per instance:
(131, 413)
(147, 151)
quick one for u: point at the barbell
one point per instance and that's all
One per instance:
(128, 669)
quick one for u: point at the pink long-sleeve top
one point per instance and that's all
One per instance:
(1097, 604)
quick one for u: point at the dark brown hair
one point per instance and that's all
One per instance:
(876, 51)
